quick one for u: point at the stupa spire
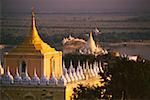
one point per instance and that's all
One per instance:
(91, 44)
(34, 32)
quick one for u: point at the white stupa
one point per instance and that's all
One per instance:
(91, 47)
(91, 43)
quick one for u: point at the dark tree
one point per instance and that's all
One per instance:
(123, 79)
(129, 79)
(88, 92)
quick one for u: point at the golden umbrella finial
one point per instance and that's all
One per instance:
(33, 11)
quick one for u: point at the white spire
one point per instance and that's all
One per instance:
(91, 47)
(25, 78)
(71, 75)
(62, 80)
(53, 80)
(44, 80)
(1, 69)
(100, 67)
(82, 74)
(84, 69)
(8, 72)
(87, 65)
(35, 79)
(95, 68)
(17, 73)
(64, 68)
(74, 75)
(17, 78)
(79, 63)
(81, 71)
(71, 66)
(78, 73)
(67, 77)
(63, 64)
(91, 43)
(65, 74)
(7, 78)
(91, 69)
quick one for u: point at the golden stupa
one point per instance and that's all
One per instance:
(33, 43)
(34, 53)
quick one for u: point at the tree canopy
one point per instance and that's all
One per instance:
(129, 79)
(123, 79)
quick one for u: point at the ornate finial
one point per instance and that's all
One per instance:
(33, 18)
(34, 32)
(32, 11)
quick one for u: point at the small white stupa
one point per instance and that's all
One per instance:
(91, 47)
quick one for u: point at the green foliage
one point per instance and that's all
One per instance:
(129, 79)
(88, 93)
(122, 78)
(11, 37)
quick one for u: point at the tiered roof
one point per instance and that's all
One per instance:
(33, 43)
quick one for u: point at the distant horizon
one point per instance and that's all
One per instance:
(81, 12)
(13, 6)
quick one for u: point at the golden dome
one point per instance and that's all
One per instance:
(33, 43)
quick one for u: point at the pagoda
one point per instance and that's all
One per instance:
(34, 71)
(92, 48)
(34, 53)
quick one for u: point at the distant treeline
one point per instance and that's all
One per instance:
(13, 39)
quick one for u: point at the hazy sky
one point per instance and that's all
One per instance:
(75, 5)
